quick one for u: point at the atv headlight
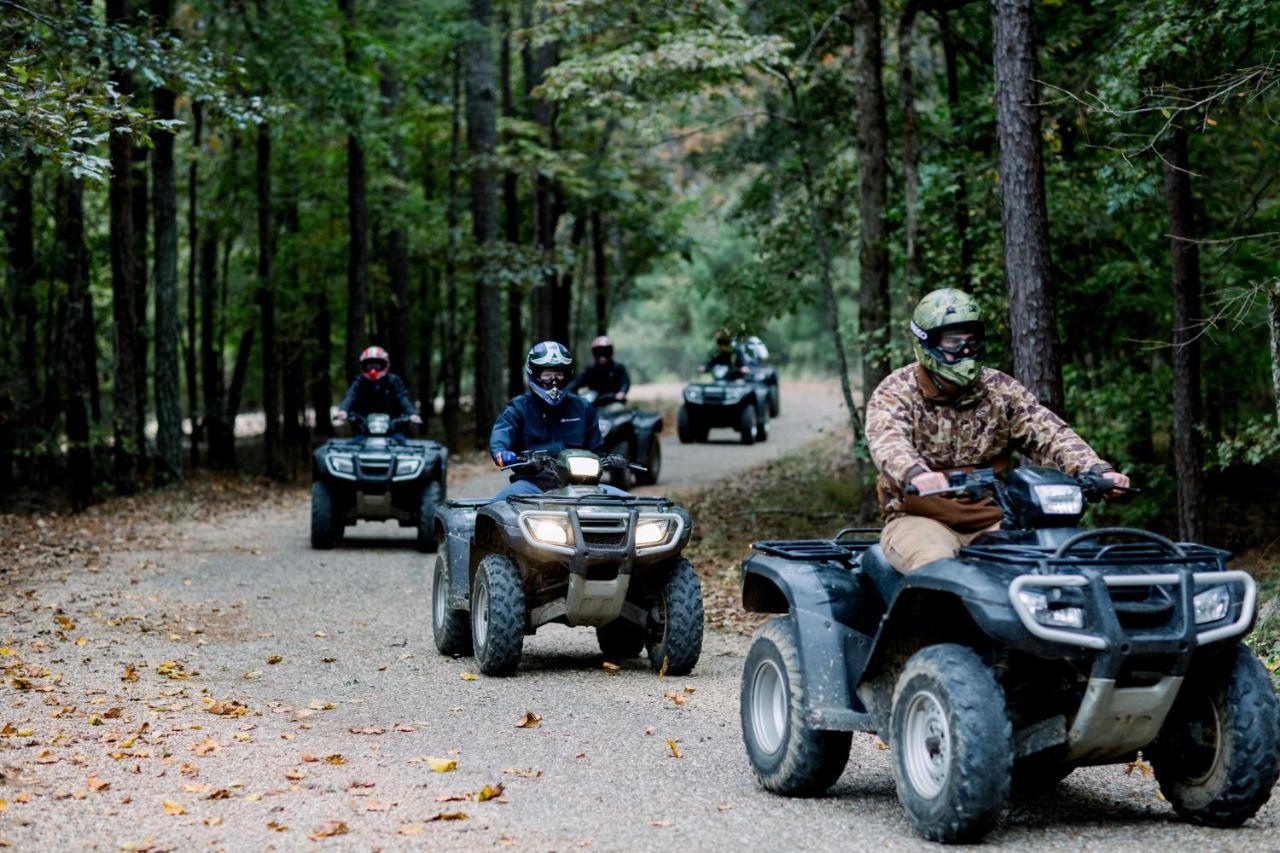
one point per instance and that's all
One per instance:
(652, 532)
(693, 394)
(584, 467)
(1059, 498)
(407, 467)
(1058, 617)
(549, 531)
(342, 464)
(733, 395)
(1212, 604)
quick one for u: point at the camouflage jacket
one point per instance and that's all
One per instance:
(909, 433)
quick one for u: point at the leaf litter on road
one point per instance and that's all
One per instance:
(530, 720)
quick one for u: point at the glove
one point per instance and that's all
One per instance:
(415, 419)
(505, 458)
(340, 417)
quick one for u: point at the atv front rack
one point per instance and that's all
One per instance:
(842, 546)
(601, 499)
(1068, 557)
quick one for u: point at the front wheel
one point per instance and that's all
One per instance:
(326, 527)
(674, 635)
(451, 628)
(1218, 755)
(952, 744)
(747, 424)
(685, 429)
(653, 464)
(787, 754)
(775, 401)
(427, 518)
(762, 425)
(497, 615)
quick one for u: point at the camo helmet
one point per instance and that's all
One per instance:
(948, 310)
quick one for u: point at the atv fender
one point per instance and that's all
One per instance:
(456, 520)
(823, 600)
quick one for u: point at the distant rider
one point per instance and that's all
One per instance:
(376, 390)
(948, 413)
(547, 417)
(606, 377)
(728, 354)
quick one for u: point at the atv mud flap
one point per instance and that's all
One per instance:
(459, 521)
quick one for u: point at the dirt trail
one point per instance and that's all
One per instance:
(109, 736)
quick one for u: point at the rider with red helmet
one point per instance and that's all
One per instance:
(608, 378)
(377, 389)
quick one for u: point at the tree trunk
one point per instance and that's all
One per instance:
(164, 185)
(235, 391)
(267, 305)
(141, 213)
(1184, 255)
(516, 345)
(562, 299)
(873, 251)
(601, 267)
(451, 369)
(1032, 326)
(961, 211)
(481, 109)
(910, 148)
(124, 394)
(321, 384)
(401, 314)
(546, 214)
(357, 211)
(1273, 323)
(74, 269)
(20, 237)
(427, 310)
(193, 243)
(215, 425)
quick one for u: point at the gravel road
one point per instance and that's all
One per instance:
(345, 700)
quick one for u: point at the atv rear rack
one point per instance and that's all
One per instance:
(840, 547)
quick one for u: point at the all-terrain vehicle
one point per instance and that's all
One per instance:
(728, 400)
(633, 435)
(1039, 648)
(763, 373)
(576, 555)
(376, 476)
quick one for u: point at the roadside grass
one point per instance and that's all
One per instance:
(806, 494)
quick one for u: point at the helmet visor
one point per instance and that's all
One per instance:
(552, 378)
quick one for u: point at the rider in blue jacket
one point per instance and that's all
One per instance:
(546, 417)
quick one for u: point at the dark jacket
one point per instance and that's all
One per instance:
(733, 359)
(388, 395)
(530, 424)
(605, 379)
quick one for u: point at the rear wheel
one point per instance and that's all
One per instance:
(673, 638)
(451, 628)
(497, 615)
(653, 464)
(427, 518)
(326, 527)
(775, 401)
(952, 744)
(747, 424)
(762, 425)
(620, 639)
(787, 754)
(1218, 755)
(620, 478)
(684, 426)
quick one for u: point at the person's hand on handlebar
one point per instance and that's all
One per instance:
(415, 419)
(505, 458)
(340, 417)
(930, 481)
(1121, 481)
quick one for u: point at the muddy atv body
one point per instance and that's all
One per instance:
(633, 435)
(725, 402)
(1039, 648)
(576, 556)
(376, 476)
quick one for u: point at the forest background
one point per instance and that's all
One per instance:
(209, 208)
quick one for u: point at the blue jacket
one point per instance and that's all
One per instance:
(530, 424)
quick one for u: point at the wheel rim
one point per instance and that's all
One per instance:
(656, 630)
(1200, 742)
(480, 614)
(926, 747)
(439, 594)
(769, 706)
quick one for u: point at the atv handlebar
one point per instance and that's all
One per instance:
(974, 484)
(545, 460)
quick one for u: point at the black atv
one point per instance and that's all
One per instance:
(376, 476)
(1039, 648)
(728, 400)
(577, 556)
(633, 435)
(763, 373)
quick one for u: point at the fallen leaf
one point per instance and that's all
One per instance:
(724, 807)
(382, 667)
(674, 697)
(662, 671)
(447, 816)
(1143, 768)
(530, 720)
(9, 730)
(581, 755)
(95, 720)
(442, 765)
(523, 772)
(452, 798)
(488, 793)
(173, 670)
(22, 797)
(335, 759)
(250, 676)
(411, 828)
(252, 798)
(212, 821)
(96, 785)
(467, 676)
(675, 750)
(406, 729)
(330, 829)
(611, 668)
(660, 823)
(171, 808)
(273, 660)
(195, 788)
(648, 730)
(65, 623)
(277, 827)
(228, 708)
(220, 794)
(368, 730)
(242, 737)
(379, 805)
(206, 746)
(112, 714)
(26, 732)
(317, 705)
(309, 758)
(189, 770)
(690, 689)
(294, 774)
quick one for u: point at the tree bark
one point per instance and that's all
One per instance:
(1273, 324)
(321, 385)
(20, 237)
(1032, 325)
(193, 243)
(74, 270)
(1184, 255)
(451, 368)
(910, 148)
(267, 306)
(481, 110)
(167, 334)
(236, 390)
(124, 394)
(546, 213)
(427, 311)
(873, 251)
(357, 210)
(141, 226)
(600, 265)
(401, 313)
(215, 425)
(960, 212)
(516, 345)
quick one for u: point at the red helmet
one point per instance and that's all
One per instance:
(602, 347)
(374, 363)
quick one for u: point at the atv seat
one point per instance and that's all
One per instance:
(468, 503)
(884, 577)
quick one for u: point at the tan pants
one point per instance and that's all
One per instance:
(913, 541)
